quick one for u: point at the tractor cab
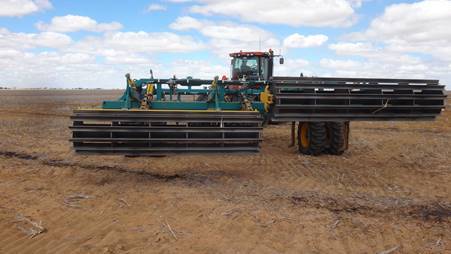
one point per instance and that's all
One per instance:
(252, 65)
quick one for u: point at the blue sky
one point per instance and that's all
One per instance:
(94, 43)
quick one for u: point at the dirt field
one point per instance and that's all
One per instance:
(390, 193)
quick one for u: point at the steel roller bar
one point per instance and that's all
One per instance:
(349, 99)
(144, 131)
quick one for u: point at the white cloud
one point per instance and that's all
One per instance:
(16, 41)
(335, 64)
(222, 48)
(353, 48)
(409, 40)
(130, 47)
(300, 41)
(363, 49)
(150, 42)
(58, 69)
(382, 62)
(421, 27)
(221, 30)
(378, 69)
(27, 61)
(320, 13)
(49, 68)
(227, 37)
(64, 58)
(369, 51)
(417, 22)
(179, 1)
(74, 23)
(9, 53)
(134, 47)
(113, 56)
(18, 8)
(155, 7)
(185, 23)
(293, 67)
(195, 68)
(51, 40)
(357, 3)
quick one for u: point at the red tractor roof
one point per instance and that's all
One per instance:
(251, 53)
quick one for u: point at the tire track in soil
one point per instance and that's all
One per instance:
(368, 206)
(123, 170)
(437, 211)
(384, 130)
(33, 113)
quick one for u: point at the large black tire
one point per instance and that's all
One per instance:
(312, 138)
(338, 137)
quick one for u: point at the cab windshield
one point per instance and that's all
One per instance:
(246, 67)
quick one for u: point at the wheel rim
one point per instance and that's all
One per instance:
(304, 136)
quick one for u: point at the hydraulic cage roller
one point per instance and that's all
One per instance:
(345, 99)
(139, 131)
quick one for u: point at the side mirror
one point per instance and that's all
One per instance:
(281, 60)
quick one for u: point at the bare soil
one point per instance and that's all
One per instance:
(389, 193)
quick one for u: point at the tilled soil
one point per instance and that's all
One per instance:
(389, 193)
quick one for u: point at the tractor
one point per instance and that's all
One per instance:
(174, 115)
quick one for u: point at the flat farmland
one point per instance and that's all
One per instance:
(391, 191)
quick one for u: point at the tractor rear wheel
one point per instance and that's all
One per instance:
(338, 137)
(312, 138)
